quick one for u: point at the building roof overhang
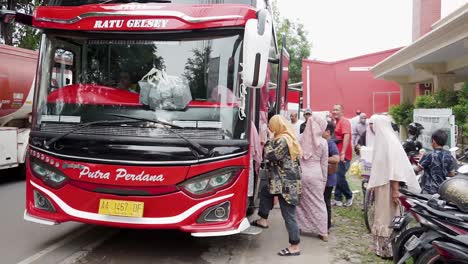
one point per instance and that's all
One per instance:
(442, 50)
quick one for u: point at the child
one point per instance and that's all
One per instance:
(333, 159)
(438, 164)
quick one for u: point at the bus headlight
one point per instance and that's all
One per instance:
(48, 174)
(210, 182)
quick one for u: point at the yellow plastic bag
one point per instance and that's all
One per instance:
(356, 169)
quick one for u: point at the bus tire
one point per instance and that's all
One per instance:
(21, 171)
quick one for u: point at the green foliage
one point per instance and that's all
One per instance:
(441, 99)
(425, 101)
(402, 114)
(461, 110)
(458, 101)
(297, 43)
(16, 34)
(27, 38)
(445, 99)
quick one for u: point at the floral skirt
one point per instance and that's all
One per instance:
(382, 246)
(384, 212)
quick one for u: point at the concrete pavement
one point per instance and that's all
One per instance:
(19, 239)
(140, 246)
(26, 243)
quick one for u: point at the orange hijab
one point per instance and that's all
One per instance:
(282, 129)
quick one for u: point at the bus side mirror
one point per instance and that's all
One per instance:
(257, 41)
(9, 17)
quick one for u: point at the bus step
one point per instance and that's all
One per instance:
(252, 230)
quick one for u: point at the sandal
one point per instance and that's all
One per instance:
(323, 238)
(255, 223)
(286, 253)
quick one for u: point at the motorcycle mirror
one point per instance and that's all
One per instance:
(463, 170)
(453, 149)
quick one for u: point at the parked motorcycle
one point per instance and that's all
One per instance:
(438, 225)
(439, 219)
(454, 251)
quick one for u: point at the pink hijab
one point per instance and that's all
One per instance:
(255, 146)
(312, 137)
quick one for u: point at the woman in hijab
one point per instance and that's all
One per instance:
(390, 167)
(282, 152)
(366, 139)
(312, 210)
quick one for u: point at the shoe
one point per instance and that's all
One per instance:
(337, 203)
(349, 201)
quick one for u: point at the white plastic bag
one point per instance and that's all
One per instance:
(147, 83)
(169, 92)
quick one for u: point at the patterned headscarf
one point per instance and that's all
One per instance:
(312, 136)
(282, 129)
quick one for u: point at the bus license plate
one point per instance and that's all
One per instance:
(121, 208)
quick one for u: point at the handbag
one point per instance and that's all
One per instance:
(332, 168)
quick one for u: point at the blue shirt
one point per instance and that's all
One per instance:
(332, 150)
(437, 165)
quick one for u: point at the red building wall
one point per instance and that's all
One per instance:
(350, 83)
(425, 13)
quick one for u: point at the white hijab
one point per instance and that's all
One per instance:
(369, 134)
(389, 162)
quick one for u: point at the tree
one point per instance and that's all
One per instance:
(195, 71)
(402, 114)
(20, 35)
(460, 110)
(297, 43)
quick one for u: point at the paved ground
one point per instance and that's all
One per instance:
(19, 239)
(137, 246)
(25, 243)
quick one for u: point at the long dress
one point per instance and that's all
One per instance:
(385, 210)
(312, 210)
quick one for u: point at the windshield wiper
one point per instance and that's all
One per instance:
(157, 121)
(194, 144)
(80, 126)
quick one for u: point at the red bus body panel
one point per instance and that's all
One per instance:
(167, 211)
(77, 199)
(138, 17)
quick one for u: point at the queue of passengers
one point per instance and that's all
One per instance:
(305, 161)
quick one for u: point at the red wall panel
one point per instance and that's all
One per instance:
(350, 83)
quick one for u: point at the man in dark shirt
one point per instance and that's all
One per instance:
(438, 164)
(333, 159)
(307, 115)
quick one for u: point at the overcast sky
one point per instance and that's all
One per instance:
(340, 29)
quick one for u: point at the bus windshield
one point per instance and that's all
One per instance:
(192, 84)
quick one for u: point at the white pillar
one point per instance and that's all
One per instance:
(445, 81)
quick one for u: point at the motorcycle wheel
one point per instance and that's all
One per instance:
(369, 209)
(398, 244)
(430, 256)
